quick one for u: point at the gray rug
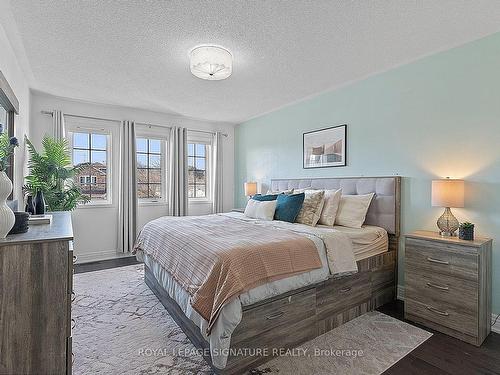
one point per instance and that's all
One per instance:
(121, 328)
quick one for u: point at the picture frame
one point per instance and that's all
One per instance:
(325, 148)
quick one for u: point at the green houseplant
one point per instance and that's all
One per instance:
(52, 173)
(466, 231)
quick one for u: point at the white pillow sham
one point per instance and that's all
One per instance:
(263, 210)
(331, 207)
(352, 210)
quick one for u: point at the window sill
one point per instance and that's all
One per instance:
(152, 203)
(95, 205)
(199, 201)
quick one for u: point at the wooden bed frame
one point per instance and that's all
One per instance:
(292, 318)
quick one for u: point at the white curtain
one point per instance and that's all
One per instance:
(127, 210)
(58, 127)
(178, 200)
(217, 202)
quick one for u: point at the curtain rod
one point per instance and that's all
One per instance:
(140, 123)
(79, 116)
(168, 127)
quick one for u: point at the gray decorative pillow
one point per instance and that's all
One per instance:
(311, 208)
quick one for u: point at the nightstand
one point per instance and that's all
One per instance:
(448, 284)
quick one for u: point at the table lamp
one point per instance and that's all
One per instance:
(447, 193)
(250, 189)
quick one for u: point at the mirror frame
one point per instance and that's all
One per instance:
(9, 102)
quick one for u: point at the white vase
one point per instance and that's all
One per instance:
(7, 217)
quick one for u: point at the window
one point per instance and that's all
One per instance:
(150, 179)
(197, 170)
(3, 120)
(90, 154)
(88, 179)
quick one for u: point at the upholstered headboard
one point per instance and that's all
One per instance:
(384, 210)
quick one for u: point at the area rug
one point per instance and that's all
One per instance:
(121, 328)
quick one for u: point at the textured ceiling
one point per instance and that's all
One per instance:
(135, 53)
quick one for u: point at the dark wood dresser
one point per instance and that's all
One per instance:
(36, 285)
(448, 284)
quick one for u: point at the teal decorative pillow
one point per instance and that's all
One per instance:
(288, 207)
(265, 198)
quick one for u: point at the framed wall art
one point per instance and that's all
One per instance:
(325, 147)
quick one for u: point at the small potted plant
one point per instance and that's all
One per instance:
(466, 231)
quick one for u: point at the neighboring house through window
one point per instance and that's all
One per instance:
(89, 179)
(151, 156)
(199, 147)
(90, 154)
(150, 174)
(91, 141)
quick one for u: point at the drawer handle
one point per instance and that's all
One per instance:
(345, 290)
(73, 324)
(429, 259)
(438, 286)
(75, 258)
(444, 313)
(73, 296)
(276, 315)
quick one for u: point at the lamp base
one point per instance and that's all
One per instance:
(447, 223)
(447, 234)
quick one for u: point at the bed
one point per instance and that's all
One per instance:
(284, 313)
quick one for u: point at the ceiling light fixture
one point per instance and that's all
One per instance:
(211, 62)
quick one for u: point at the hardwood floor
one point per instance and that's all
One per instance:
(443, 354)
(105, 264)
(440, 354)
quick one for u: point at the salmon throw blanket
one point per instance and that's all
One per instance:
(215, 258)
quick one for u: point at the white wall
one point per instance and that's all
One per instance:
(13, 73)
(96, 227)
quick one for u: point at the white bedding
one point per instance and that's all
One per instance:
(337, 257)
(367, 241)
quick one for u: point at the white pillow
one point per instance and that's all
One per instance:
(330, 208)
(263, 210)
(352, 210)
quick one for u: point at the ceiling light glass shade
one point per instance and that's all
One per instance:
(211, 62)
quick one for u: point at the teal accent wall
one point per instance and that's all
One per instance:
(436, 117)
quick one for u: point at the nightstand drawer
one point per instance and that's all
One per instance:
(435, 289)
(434, 257)
(443, 314)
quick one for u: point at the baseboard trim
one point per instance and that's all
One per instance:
(99, 255)
(494, 328)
